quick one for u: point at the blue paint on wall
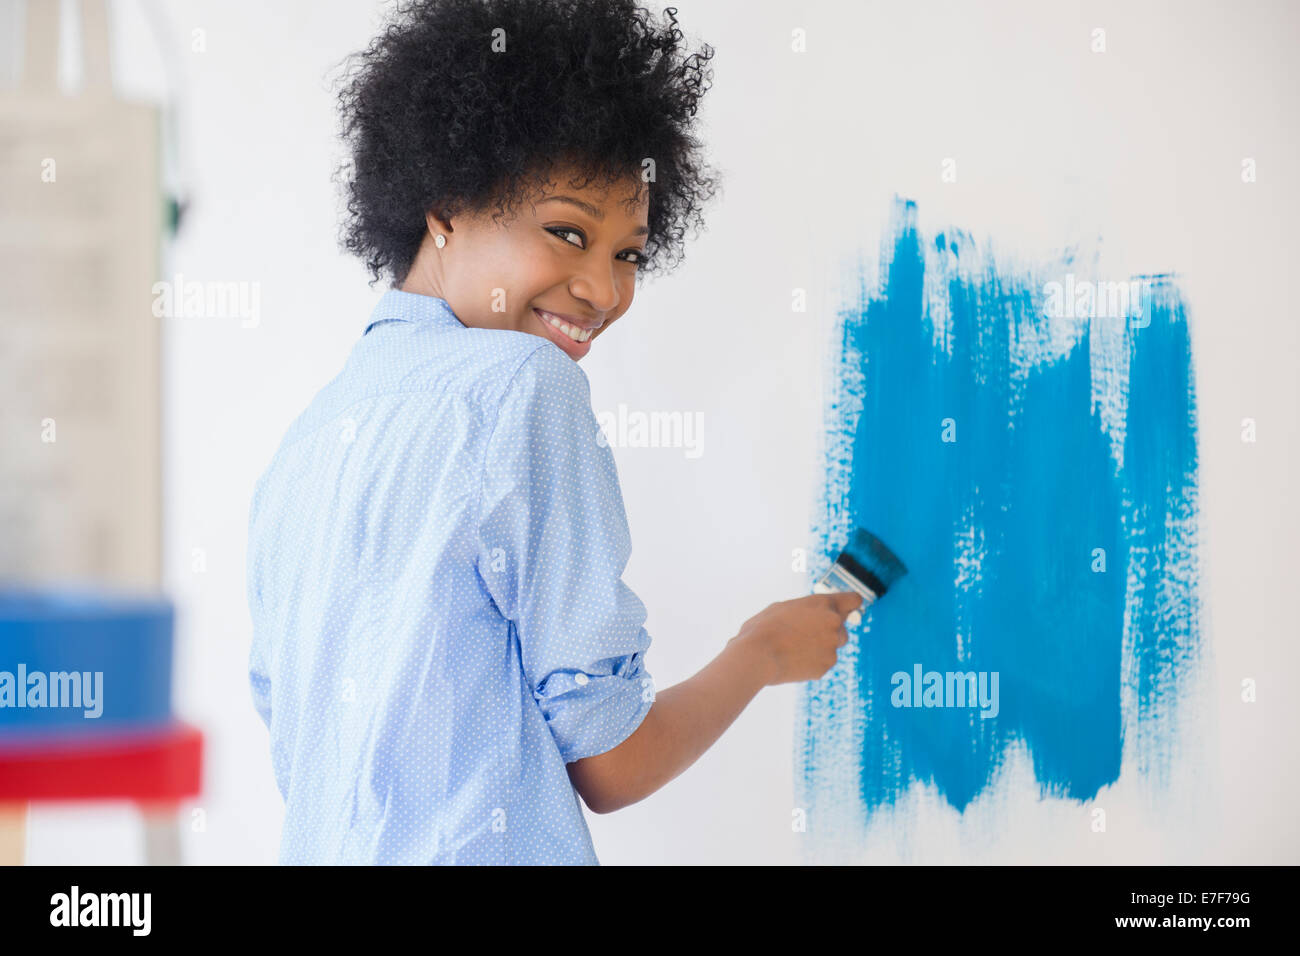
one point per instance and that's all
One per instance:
(1037, 474)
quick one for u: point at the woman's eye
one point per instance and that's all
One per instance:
(561, 229)
(564, 231)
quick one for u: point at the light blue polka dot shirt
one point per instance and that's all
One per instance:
(435, 560)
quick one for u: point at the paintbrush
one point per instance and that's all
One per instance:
(866, 567)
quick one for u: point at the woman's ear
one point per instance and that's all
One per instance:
(437, 222)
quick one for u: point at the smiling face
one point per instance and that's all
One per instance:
(569, 257)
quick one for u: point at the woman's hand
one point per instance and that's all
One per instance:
(799, 639)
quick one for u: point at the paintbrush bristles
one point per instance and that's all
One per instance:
(872, 556)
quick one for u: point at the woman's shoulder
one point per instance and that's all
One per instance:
(544, 374)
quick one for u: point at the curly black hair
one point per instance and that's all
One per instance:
(463, 105)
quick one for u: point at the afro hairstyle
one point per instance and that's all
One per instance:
(468, 105)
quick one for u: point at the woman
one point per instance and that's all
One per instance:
(444, 651)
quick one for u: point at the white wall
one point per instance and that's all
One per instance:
(1142, 144)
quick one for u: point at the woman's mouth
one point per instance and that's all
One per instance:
(575, 341)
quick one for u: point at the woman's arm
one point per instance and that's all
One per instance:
(788, 641)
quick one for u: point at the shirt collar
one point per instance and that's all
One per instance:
(398, 306)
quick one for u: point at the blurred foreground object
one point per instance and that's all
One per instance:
(81, 218)
(85, 711)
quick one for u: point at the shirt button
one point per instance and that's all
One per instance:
(581, 680)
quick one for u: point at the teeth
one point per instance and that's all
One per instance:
(578, 335)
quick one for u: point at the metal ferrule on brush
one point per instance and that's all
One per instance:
(837, 579)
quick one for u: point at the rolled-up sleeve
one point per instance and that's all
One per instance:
(553, 545)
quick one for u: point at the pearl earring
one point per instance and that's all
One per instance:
(439, 240)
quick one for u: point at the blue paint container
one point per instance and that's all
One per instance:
(83, 660)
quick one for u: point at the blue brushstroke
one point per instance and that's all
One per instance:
(1000, 528)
